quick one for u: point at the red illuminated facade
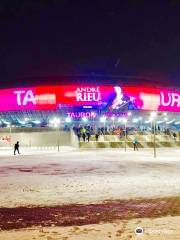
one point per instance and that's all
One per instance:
(86, 97)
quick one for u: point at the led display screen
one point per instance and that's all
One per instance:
(111, 98)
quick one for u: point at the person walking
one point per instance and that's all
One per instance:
(79, 136)
(16, 148)
(174, 135)
(97, 136)
(84, 134)
(88, 135)
(135, 144)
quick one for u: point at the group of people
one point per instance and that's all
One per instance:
(85, 133)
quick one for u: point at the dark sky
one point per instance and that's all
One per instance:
(40, 38)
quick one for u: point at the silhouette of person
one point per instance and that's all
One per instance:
(16, 148)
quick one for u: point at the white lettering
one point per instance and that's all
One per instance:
(168, 100)
(82, 114)
(19, 96)
(175, 99)
(88, 94)
(79, 97)
(29, 97)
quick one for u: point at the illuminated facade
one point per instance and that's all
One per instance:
(97, 97)
(37, 105)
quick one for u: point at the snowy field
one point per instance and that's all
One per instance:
(47, 177)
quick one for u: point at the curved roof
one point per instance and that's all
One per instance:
(88, 79)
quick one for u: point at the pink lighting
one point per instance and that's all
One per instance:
(119, 98)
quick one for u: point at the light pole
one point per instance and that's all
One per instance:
(103, 120)
(10, 131)
(125, 133)
(55, 123)
(165, 119)
(113, 118)
(153, 122)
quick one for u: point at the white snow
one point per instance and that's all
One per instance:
(49, 177)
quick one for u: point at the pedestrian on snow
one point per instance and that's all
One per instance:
(88, 135)
(84, 136)
(16, 148)
(175, 136)
(79, 136)
(97, 137)
(135, 144)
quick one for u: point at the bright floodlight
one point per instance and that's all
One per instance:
(153, 114)
(55, 122)
(22, 122)
(124, 120)
(129, 114)
(165, 113)
(26, 119)
(135, 120)
(37, 121)
(112, 118)
(68, 119)
(165, 119)
(103, 119)
(84, 119)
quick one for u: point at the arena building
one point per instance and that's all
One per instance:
(69, 101)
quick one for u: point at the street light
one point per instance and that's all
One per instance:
(55, 122)
(84, 119)
(103, 120)
(10, 131)
(113, 118)
(135, 120)
(124, 120)
(68, 120)
(119, 119)
(153, 120)
(26, 119)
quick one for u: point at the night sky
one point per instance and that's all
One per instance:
(44, 38)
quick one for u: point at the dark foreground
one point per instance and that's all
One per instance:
(70, 215)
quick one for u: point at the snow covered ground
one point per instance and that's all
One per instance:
(48, 177)
(166, 228)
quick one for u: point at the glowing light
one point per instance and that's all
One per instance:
(68, 119)
(153, 115)
(124, 120)
(148, 121)
(103, 119)
(37, 121)
(150, 101)
(22, 122)
(129, 114)
(84, 119)
(55, 122)
(171, 121)
(135, 120)
(159, 122)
